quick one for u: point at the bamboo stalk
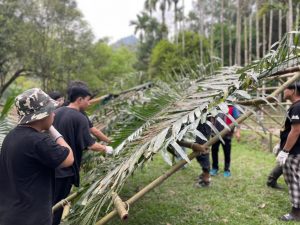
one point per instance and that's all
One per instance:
(289, 70)
(194, 146)
(270, 116)
(284, 74)
(270, 98)
(64, 202)
(191, 156)
(97, 100)
(253, 129)
(120, 206)
(66, 211)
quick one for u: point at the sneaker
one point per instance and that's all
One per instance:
(202, 183)
(213, 172)
(227, 174)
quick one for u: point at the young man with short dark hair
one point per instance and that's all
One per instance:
(289, 155)
(27, 161)
(73, 125)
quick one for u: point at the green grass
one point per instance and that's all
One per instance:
(240, 199)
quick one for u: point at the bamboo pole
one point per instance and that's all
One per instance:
(270, 98)
(66, 211)
(191, 156)
(64, 202)
(284, 74)
(270, 116)
(289, 70)
(120, 206)
(97, 100)
(270, 142)
(253, 129)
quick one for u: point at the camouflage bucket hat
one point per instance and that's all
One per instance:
(34, 104)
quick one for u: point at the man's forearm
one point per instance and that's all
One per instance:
(97, 133)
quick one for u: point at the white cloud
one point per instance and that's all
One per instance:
(111, 18)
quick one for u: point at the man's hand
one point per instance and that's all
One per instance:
(109, 150)
(281, 157)
(54, 133)
(238, 134)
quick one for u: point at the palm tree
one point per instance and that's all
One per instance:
(141, 25)
(150, 6)
(164, 5)
(175, 2)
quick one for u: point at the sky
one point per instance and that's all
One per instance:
(111, 18)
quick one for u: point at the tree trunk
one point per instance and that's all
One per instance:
(201, 30)
(279, 24)
(183, 28)
(264, 35)
(12, 79)
(230, 44)
(257, 29)
(270, 26)
(222, 32)
(297, 18)
(238, 34)
(245, 42)
(175, 24)
(250, 38)
(290, 21)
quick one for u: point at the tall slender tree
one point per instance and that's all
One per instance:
(222, 31)
(257, 29)
(175, 2)
(164, 6)
(238, 33)
(250, 38)
(270, 25)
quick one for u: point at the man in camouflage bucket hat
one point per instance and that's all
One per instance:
(28, 159)
(34, 104)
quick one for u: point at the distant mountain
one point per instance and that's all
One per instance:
(130, 42)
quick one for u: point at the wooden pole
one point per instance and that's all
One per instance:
(270, 116)
(270, 98)
(191, 156)
(64, 202)
(251, 128)
(120, 206)
(270, 142)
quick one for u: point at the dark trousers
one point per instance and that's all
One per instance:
(227, 153)
(274, 175)
(62, 190)
(203, 160)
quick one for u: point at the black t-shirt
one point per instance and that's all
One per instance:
(27, 162)
(293, 118)
(205, 130)
(88, 119)
(74, 127)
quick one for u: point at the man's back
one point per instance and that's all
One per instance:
(27, 162)
(74, 127)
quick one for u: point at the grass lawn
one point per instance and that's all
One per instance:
(240, 199)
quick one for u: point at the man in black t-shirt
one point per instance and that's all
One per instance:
(289, 155)
(73, 125)
(27, 161)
